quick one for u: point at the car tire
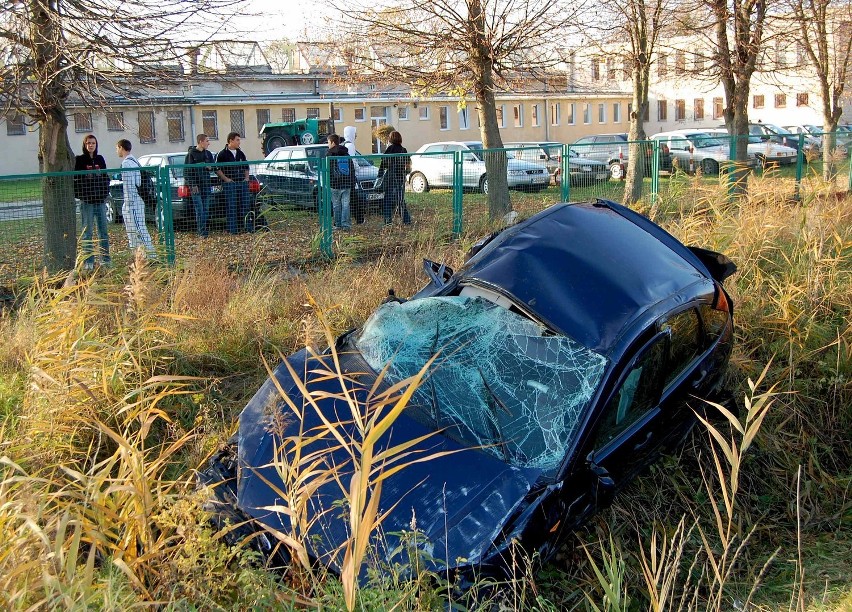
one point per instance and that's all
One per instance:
(418, 183)
(273, 142)
(710, 167)
(483, 184)
(616, 170)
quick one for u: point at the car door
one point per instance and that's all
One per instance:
(681, 150)
(273, 174)
(430, 164)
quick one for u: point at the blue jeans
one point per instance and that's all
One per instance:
(201, 203)
(237, 199)
(340, 207)
(91, 214)
(395, 199)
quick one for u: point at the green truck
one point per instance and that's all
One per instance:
(289, 133)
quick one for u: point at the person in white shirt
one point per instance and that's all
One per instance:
(133, 208)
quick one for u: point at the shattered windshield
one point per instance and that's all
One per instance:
(501, 381)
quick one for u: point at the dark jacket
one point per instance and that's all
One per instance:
(91, 187)
(395, 167)
(198, 177)
(235, 173)
(340, 180)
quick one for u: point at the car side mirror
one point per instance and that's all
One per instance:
(543, 156)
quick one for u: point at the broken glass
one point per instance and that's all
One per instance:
(501, 381)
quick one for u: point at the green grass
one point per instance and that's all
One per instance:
(19, 190)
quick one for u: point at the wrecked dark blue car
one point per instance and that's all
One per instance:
(572, 350)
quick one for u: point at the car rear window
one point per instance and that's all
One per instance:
(501, 381)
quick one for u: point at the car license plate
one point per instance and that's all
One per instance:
(375, 196)
(216, 189)
(600, 175)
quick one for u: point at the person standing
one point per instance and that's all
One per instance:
(342, 178)
(198, 180)
(349, 133)
(235, 179)
(92, 190)
(395, 168)
(133, 209)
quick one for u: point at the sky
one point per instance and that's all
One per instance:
(278, 19)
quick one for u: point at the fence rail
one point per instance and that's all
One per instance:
(444, 186)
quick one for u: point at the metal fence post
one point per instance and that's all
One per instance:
(655, 170)
(733, 169)
(325, 212)
(458, 191)
(165, 216)
(565, 173)
(800, 165)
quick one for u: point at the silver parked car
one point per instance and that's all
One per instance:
(432, 166)
(695, 149)
(581, 171)
(763, 151)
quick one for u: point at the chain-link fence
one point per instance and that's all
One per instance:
(291, 206)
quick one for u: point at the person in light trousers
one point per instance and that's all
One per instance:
(133, 208)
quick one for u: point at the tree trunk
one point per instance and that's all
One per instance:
(60, 210)
(736, 120)
(637, 154)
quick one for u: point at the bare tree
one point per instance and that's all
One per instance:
(460, 47)
(826, 36)
(81, 51)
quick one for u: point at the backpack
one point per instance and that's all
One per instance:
(341, 172)
(146, 190)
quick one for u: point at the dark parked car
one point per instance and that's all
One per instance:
(582, 171)
(183, 210)
(290, 175)
(570, 345)
(613, 150)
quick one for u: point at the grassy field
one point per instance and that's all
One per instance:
(115, 387)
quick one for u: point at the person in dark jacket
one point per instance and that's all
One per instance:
(395, 169)
(92, 189)
(235, 179)
(198, 180)
(342, 178)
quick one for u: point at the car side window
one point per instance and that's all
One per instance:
(434, 149)
(639, 393)
(684, 331)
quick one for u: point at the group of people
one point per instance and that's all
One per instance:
(92, 189)
(392, 173)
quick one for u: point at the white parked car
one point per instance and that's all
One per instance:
(695, 149)
(432, 166)
(763, 151)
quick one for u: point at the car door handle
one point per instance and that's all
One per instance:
(702, 374)
(644, 443)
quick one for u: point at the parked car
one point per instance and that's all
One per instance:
(432, 166)
(843, 139)
(582, 171)
(613, 150)
(572, 350)
(183, 210)
(779, 135)
(695, 149)
(290, 175)
(763, 151)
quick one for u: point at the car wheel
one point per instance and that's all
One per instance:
(419, 184)
(273, 142)
(483, 184)
(710, 166)
(761, 161)
(616, 170)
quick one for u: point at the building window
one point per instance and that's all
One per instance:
(264, 116)
(518, 115)
(587, 113)
(718, 108)
(115, 122)
(360, 114)
(616, 112)
(238, 122)
(423, 113)
(610, 69)
(15, 125)
(444, 117)
(501, 116)
(572, 109)
(680, 110)
(596, 69)
(288, 114)
(402, 113)
(698, 63)
(464, 118)
(662, 65)
(627, 73)
(680, 62)
(780, 53)
(646, 115)
(662, 110)
(780, 100)
(801, 99)
(146, 126)
(174, 123)
(312, 113)
(337, 115)
(210, 124)
(82, 122)
(757, 101)
(555, 113)
(536, 119)
(601, 113)
(698, 108)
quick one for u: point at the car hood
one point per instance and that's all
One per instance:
(366, 173)
(459, 502)
(574, 162)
